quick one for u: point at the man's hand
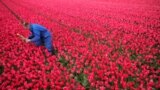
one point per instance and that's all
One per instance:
(27, 40)
(23, 38)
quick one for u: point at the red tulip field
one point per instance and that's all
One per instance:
(101, 45)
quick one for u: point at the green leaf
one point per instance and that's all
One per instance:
(136, 84)
(120, 50)
(133, 56)
(119, 67)
(130, 79)
(154, 88)
(154, 64)
(111, 83)
(82, 78)
(63, 61)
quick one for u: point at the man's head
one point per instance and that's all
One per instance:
(26, 25)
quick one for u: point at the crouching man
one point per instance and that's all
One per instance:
(39, 36)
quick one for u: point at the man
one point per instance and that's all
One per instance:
(40, 36)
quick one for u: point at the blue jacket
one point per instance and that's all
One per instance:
(38, 32)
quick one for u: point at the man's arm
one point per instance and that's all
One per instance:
(23, 38)
(31, 36)
(36, 35)
(35, 38)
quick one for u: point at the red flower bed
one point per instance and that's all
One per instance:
(102, 44)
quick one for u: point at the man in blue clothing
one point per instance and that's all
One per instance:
(40, 36)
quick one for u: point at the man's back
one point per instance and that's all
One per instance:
(37, 29)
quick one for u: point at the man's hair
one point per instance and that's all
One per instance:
(25, 24)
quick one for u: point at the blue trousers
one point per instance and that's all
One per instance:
(47, 42)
